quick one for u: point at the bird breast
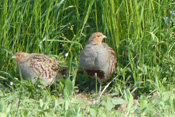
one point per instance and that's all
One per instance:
(25, 70)
(93, 57)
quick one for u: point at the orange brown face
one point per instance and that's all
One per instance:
(18, 56)
(97, 37)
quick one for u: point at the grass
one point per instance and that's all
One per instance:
(141, 32)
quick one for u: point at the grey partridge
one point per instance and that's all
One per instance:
(98, 58)
(38, 66)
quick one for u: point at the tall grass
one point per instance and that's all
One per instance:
(140, 31)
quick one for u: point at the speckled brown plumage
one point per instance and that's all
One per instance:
(38, 66)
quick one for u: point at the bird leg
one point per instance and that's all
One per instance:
(96, 82)
(104, 89)
(99, 91)
(97, 99)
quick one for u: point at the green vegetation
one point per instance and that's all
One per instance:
(142, 32)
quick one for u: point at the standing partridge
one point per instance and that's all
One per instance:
(38, 67)
(98, 58)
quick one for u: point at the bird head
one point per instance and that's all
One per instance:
(96, 38)
(20, 57)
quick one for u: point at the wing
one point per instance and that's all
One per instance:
(112, 59)
(44, 66)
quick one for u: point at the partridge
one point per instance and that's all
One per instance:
(38, 67)
(98, 58)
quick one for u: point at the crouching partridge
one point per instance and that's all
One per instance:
(98, 58)
(38, 67)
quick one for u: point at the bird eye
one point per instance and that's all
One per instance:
(98, 35)
(18, 55)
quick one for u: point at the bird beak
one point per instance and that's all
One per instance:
(13, 57)
(104, 36)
